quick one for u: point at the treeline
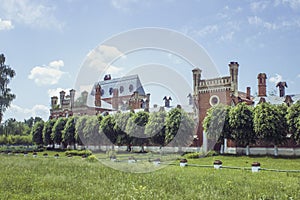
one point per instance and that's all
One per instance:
(160, 128)
(248, 125)
(14, 132)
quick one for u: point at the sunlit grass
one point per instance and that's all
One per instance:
(76, 178)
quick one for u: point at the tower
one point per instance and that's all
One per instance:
(196, 80)
(72, 98)
(234, 70)
(98, 95)
(54, 102)
(62, 97)
(262, 87)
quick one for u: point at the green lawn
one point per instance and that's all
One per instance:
(76, 178)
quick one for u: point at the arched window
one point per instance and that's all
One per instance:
(130, 88)
(111, 90)
(121, 89)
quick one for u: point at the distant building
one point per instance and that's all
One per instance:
(109, 95)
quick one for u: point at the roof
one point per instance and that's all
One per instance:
(276, 99)
(126, 86)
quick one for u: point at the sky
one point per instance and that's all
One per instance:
(46, 42)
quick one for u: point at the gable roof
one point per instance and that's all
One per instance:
(126, 85)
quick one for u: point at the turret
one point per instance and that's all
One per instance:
(72, 98)
(62, 97)
(98, 95)
(234, 70)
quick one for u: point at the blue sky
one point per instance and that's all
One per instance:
(46, 42)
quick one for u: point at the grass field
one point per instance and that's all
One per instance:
(76, 178)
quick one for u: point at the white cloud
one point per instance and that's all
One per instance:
(5, 25)
(294, 4)
(56, 91)
(275, 79)
(33, 13)
(298, 75)
(227, 37)
(47, 75)
(254, 20)
(207, 30)
(123, 5)
(101, 57)
(19, 113)
(259, 6)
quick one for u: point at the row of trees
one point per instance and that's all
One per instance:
(142, 128)
(248, 125)
(15, 132)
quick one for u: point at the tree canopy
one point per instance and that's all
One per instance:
(6, 97)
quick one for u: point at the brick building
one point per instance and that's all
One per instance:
(211, 92)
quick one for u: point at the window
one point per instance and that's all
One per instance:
(214, 100)
(102, 92)
(130, 88)
(111, 90)
(121, 89)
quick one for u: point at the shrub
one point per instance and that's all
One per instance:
(194, 155)
(78, 153)
(92, 158)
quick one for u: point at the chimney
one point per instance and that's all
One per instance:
(262, 87)
(148, 101)
(62, 97)
(234, 70)
(115, 99)
(281, 86)
(72, 98)
(98, 96)
(248, 93)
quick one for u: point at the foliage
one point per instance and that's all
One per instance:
(37, 133)
(155, 128)
(91, 131)
(216, 123)
(121, 120)
(92, 158)
(107, 127)
(179, 128)
(135, 128)
(6, 97)
(241, 123)
(16, 140)
(270, 123)
(78, 153)
(293, 120)
(68, 134)
(79, 126)
(57, 129)
(47, 131)
(13, 127)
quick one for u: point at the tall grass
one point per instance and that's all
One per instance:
(76, 178)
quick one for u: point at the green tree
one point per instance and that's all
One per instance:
(293, 120)
(91, 131)
(121, 120)
(37, 133)
(79, 126)
(6, 97)
(135, 128)
(180, 128)
(241, 123)
(216, 123)
(270, 123)
(155, 128)
(68, 133)
(57, 129)
(107, 127)
(47, 132)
